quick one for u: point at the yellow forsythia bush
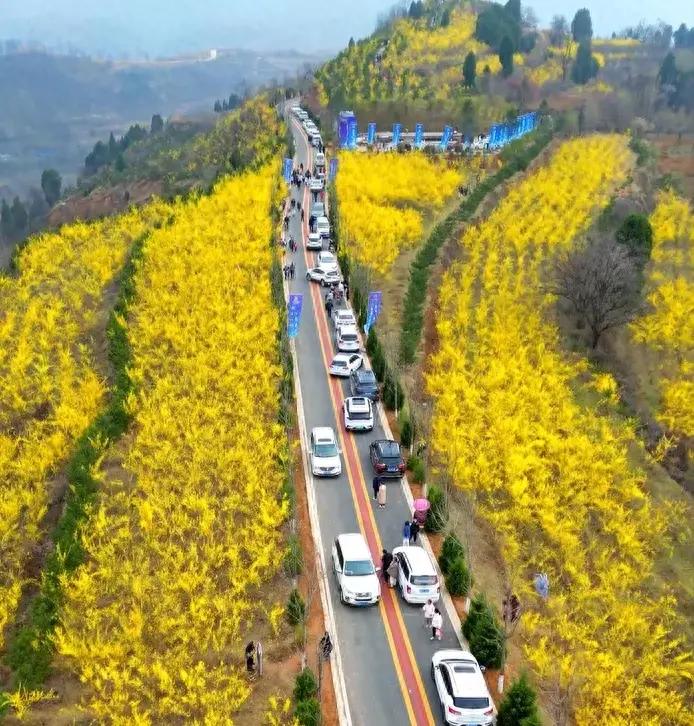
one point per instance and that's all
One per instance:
(381, 199)
(188, 524)
(669, 327)
(551, 476)
(51, 313)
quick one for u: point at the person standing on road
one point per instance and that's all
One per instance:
(429, 611)
(329, 307)
(386, 559)
(414, 530)
(376, 485)
(406, 534)
(393, 571)
(302, 216)
(436, 625)
(382, 495)
(292, 270)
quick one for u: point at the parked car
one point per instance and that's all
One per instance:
(343, 316)
(347, 338)
(344, 363)
(316, 141)
(325, 456)
(326, 259)
(461, 689)
(323, 227)
(318, 209)
(386, 458)
(358, 413)
(316, 184)
(314, 241)
(417, 577)
(323, 275)
(356, 576)
(364, 383)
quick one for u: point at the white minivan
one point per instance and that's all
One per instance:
(356, 576)
(417, 578)
(323, 227)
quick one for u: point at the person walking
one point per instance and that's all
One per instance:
(302, 216)
(285, 270)
(436, 625)
(250, 657)
(346, 290)
(429, 610)
(381, 496)
(393, 572)
(414, 531)
(386, 559)
(292, 270)
(329, 307)
(376, 485)
(406, 534)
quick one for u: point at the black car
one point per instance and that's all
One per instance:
(363, 382)
(386, 458)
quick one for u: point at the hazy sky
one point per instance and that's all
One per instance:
(164, 27)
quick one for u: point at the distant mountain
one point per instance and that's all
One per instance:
(55, 107)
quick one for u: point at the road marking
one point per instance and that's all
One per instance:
(415, 697)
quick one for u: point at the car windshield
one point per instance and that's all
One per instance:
(359, 415)
(359, 567)
(390, 448)
(349, 336)
(325, 450)
(424, 579)
(471, 702)
(340, 363)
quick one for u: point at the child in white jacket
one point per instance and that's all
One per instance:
(428, 609)
(436, 624)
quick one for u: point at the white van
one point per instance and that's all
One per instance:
(347, 339)
(417, 577)
(356, 576)
(323, 227)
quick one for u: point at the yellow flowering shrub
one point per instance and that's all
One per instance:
(551, 476)
(51, 314)
(669, 327)
(382, 198)
(188, 523)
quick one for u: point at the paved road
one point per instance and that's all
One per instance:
(385, 650)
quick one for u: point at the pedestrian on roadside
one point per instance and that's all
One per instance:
(302, 216)
(406, 534)
(292, 270)
(386, 559)
(346, 290)
(329, 307)
(393, 572)
(250, 654)
(382, 495)
(298, 204)
(376, 485)
(436, 625)
(285, 269)
(414, 531)
(429, 610)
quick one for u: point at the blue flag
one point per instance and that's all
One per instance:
(352, 132)
(287, 170)
(332, 169)
(294, 314)
(418, 136)
(373, 308)
(371, 133)
(397, 129)
(446, 137)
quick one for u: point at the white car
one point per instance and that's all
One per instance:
(347, 338)
(357, 578)
(344, 363)
(316, 184)
(325, 456)
(314, 241)
(343, 316)
(358, 413)
(327, 259)
(323, 275)
(316, 140)
(461, 688)
(417, 578)
(323, 227)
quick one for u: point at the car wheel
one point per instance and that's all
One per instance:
(342, 598)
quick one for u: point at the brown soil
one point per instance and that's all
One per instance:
(104, 202)
(676, 156)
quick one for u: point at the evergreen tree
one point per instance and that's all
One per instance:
(6, 222)
(513, 7)
(470, 70)
(157, 124)
(120, 163)
(636, 234)
(506, 56)
(582, 26)
(113, 147)
(585, 66)
(217, 106)
(668, 74)
(20, 218)
(519, 704)
(51, 183)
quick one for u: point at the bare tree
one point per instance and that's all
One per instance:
(559, 29)
(567, 55)
(601, 281)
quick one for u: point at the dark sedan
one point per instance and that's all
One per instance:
(363, 383)
(386, 458)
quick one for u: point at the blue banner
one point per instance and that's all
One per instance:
(397, 129)
(352, 133)
(332, 168)
(418, 136)
(373, 308)
(287, 170)
(371, 133)
(446, 138)
(294, 314)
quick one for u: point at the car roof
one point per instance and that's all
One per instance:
(466, 676)
(342, 356)
(348, 329)
(358, 402)
(354, 545)
(418, 559)
(344, 312)
(323, 433)
(323, 219)
(363, 373)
